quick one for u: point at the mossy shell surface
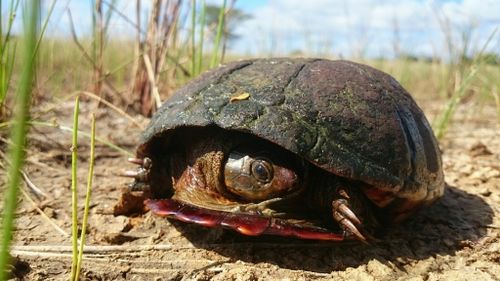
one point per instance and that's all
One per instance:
(347, 118)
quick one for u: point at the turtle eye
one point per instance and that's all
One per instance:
(257, 178)
(262, 170)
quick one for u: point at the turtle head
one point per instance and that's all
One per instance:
(227, 172)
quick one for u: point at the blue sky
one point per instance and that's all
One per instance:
(367, 27)
(372, 28)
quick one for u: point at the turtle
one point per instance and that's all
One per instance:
(297, 147)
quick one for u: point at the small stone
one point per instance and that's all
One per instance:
(467, 244)
(378, 269)
(115, 238)
(485, 192)
(129, 203)
(51, 213)
(479, 149)
(422, 267)
(111, 223)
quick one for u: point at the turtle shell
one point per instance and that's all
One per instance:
(346, 118)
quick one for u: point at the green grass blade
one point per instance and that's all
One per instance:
(6, 54)
(87, 197)
(12, 15)
(193, 37)
(220, 27)
(7, 65)
(44, 27)
(74, 194)
(1, 22)
(108, 16)
(201, 38)
(94, 29)
(18, 137)
(446, 115)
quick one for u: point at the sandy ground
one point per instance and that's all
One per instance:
(455, 239)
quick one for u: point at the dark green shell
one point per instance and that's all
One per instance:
(347, 118)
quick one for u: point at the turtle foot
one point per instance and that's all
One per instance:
(140, 175)
(346, 218)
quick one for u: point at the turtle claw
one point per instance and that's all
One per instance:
(144, 162)
(352, 230)
(341, 207)
(140, 175)
(347, 219)
(138, 161)
(130, 174)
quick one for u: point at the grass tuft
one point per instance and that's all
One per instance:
(18, 134)
(7, 54)
(446, 115)
(220, 28)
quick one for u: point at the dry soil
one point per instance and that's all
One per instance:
(457, 238)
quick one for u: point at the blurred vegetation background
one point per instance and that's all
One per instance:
(171, 41)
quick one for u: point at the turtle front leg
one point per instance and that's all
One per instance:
(352, 211)
(346, 218)
(141, 175)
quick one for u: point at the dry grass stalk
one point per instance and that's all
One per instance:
(156, 100)
(162, 22)
(225, 27)
(43, 215)
(111, 106)
(137, 45)
(101, 80)
(98, 48)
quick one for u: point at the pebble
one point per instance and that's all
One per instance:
(378, 269)
(479, 149)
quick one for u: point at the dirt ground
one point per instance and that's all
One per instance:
(455, 239)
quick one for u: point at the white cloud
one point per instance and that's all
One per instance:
(361, 26)
(471, 10)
